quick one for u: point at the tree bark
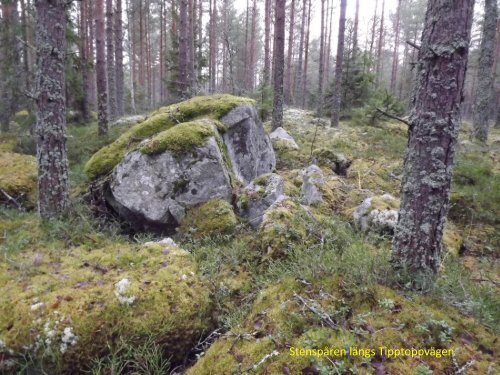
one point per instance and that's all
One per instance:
(355, 34)
(306, 58)
(279, 63)
(433, 132)
(395, 60)
(321, 61)
(53, 182)
(338, 68)
(380, 42)
(119, 58)
(298, 73)
(110, 61)
(183, 49)
(485, 76)
(288, 81)
(267, 42)
(372, 40)
(85, 63)
(102, 79)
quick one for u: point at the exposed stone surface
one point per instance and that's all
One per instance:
(248, 146)
(281, 139)
(336, 161)
(158, 188)
(312, 178)
(379, 214)
(259, 195)
(178, 166)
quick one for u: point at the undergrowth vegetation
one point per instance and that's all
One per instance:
(307, 278)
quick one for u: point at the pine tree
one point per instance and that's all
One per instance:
(279, 63)
(433, 133)
(102, 81)
(485, 76)
(53, 183)
(338, 67)
(118, 27)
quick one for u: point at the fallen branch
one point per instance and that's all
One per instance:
(393, 116)
(11, 199)
(264, 359)
(416, 46)
(325, 318)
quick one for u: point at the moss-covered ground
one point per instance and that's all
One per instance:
(240, 299)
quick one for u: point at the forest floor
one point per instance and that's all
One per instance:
(313, 280)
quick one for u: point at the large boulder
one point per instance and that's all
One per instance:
(180, 157)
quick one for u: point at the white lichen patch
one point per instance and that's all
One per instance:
(121, 292)
(68, 338)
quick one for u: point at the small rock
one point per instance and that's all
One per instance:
(281, 139)
(312, 179)
(377, 213)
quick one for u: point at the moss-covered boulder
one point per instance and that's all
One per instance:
(324, 326)
(18, 180)
(73, 305)
(213, 217)
(379, 213)
(180, 157)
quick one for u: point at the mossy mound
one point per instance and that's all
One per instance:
(180, 138)
(75, 304)
(284, 225)
(214, 107)
(18, 179)
(7, 143)
(213, 217)
(327, 313)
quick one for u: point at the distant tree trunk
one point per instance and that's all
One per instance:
(213, 46)
(380, 43)
(191, 40)
(485, 76)
(200, 40)
(321, 60)
(338, 68)
(85, 62)
(298, 73)
(183, 49)
(131, 54)
(288, 81)
(267, 42)
(91, 54)
(102, 81)
(306, 58)
(119, 58)
(251, 62)
(433, 132)
(328, 43)
(395, 61)
(372, 40)
(355, 34)
(110, 61)
(53, 182)
(279, 63)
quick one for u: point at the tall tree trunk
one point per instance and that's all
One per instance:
(253, 37)
(321, 60)
(433, 132)
(374, 24)
(279, 63)
(102, 81)
(298, 73)
(306, 58)
(131, 54)
(355, 35)
(85, 62)
(200, 40)
(110, 60)
(267, 42)
(119, 58)
(91, 54)
(485, 76)
(53, 181)
(380, 43)
(338, 68)
(395, 59)
(183, 48)
(329, 26)
(288, 81)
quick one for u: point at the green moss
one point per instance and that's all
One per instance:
(293, 314)
(76, 288)
(24, 118)
(214, 107)
(7, 143)
(213, 217)
(180, 138)
(18, 178)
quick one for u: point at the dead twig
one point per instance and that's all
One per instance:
(393, 116)
(11, 199)
(325, 318)
(416, 46)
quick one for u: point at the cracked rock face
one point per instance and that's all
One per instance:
(259, 195)
(153, 191)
